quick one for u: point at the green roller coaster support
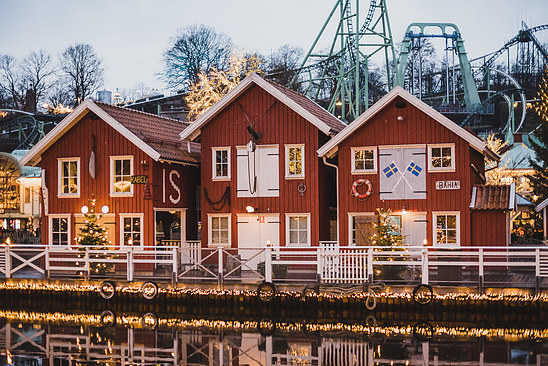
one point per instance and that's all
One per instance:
(471, 96)
(341, 71)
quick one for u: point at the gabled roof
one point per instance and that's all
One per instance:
(156, 136)
(330, 148)
(493, 197)
(319, 117)
(542, 205)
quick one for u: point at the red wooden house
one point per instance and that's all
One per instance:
(404, 156)
(261, 177)
(130, 161)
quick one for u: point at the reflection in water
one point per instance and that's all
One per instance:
(76, 339)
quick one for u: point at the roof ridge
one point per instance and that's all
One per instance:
(140, 112)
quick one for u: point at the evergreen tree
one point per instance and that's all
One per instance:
(539, 180)
(94, 237)
(384, 235)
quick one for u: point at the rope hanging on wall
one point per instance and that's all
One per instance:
(225, 198)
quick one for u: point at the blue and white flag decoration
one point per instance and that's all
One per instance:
(414, 169)
(390, 170)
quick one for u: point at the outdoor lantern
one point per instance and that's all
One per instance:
(84, 209)
(250, 209)
(104, 209)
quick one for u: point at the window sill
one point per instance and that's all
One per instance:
(121, 195)
(221, 179)
(68, 195)
(358, 172)
(290, 177)
(441, 170)
(218, 245)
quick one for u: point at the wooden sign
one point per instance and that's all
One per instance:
(138, 179)
(448, 184)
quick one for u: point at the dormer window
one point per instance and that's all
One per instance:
(364, 160)
(441, 157)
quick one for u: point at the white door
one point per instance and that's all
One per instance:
(254, 230)
(414, 228)
(258, 171)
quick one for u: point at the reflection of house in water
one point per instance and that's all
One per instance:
(19, 199)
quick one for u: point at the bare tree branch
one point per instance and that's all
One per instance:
(83, 70)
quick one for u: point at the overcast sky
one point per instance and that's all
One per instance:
(130, 36)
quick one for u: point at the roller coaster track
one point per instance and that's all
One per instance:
(524, 35)
(29, 130)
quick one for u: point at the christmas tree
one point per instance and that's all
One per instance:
(93, 237)
(387, 238)
(539, 180)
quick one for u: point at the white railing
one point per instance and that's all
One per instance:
(328, 263)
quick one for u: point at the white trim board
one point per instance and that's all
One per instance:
(34, 155)
(194, 130)
(330, 148)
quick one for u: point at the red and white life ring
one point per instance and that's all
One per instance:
(358, 183)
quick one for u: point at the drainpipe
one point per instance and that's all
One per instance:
(324, 158)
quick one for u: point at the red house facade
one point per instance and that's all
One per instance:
(403, 156)
(262, 181)
(131, 162)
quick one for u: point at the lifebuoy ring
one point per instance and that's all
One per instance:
(358, 183)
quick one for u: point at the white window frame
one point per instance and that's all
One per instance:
(441, 169)
(351, 216)
(287, 231)
(435, 215)
(353, 159)
(60, 192)
(214, 175)
(210, 230)
(141, 233)
(50, 227)
(112, 167)
(287, 174)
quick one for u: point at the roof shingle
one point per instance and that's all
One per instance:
(491, 197)
(160, 133)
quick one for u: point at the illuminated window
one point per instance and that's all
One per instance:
(446, 230)
(59, 229)
(294, 158)
(219, 230)
(298, 229)
(132, 229)
(364, 160)
(441, 157)
(221, 163)
(121, 170)
(69, 173)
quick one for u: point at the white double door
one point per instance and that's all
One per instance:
(254, 231)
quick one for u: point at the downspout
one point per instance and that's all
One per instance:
(324, 158)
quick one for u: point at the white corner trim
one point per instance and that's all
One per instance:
(34, 155)
(473, 200)
(512, 200)
(475, 142)
(193, 131)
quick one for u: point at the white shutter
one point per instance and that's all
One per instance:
(268, 180)
(389, 169)
(245, 166)
(414, 170)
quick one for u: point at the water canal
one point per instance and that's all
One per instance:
(34, 338)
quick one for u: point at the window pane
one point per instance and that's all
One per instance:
(215, 223)
(63, 224)
(359, 165)
(223, 223)
(436, 152)
(127, 224)
(126, 167)
(127, 236)
(369, 164)
(359, 155)
(302, 237)
(440, 222)
(137, 239)
(73, 169)
(293, 223)
(369, 154)
(293, 237)
(65, 169)
(451, 221)
(302, 222)
(446, 151)
(136, 224)
(55, 225)
(298, 168)
(440, 237)
(55, 239)
(451, 236)
(64, 239)
(224, 236)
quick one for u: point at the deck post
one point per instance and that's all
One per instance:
(537, 271)
(8, 262)
(424, 274)
(370, 265)
(87, 264)
(319, 264)
(46, 260)
(268, 264)
(174, 252)
(220, 264)
(480, 271)
(130, 264)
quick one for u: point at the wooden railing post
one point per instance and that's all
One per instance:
(46, 262)
(268, 264)
(319, 263)
(481, 270)
(8, 262)
(175, 262)
(537, 270)
(87, 263)
(425, 275)
(130, 264)
(370, 265)
(220, 264)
